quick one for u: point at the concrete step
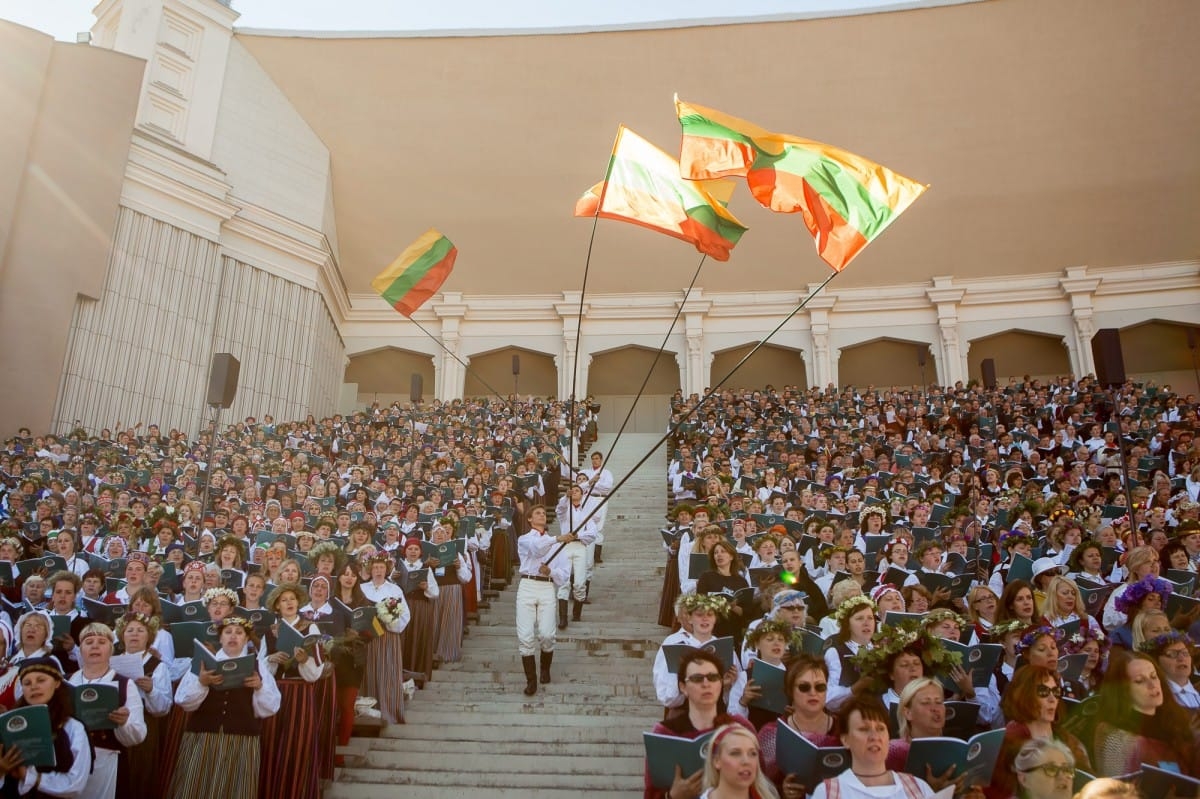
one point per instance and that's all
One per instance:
(361, 790)
(540, 748)
(509, 764)
(452, 779)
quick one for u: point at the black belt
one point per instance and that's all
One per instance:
(538, 578)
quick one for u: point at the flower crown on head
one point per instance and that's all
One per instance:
(852, 605)
(1029, 638)
(213, 593)
(907, 637)
(1004, 628)
(1133, 596)
(769, 627)
(935, 617)
(1059, 513)
(1157, 645)
(1075, 643)
(716, 603)
(1010, 538)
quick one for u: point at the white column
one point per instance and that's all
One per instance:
(450, 380)
(824, 367)
(952, 358)
(570, 311)
(693, 376)
(1080, 289)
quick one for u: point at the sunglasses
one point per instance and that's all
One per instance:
(1044, 691)
(806, 687)
(697, 679)
(1052, 771)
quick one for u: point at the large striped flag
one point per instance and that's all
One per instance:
(643, 186)
(846, 200)
(417, 273)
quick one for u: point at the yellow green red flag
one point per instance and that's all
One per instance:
(417, 273)
(846, 200)
(643, 186)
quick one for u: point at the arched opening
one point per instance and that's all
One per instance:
(1017, 353)
(887, 362)
(387, 375)
(511, 370)
(614, 379)
(772, 364)
(1158, 350)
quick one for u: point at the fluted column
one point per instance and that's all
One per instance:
(1080, 288)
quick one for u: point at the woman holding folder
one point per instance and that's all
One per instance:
(136, 632)
(384, 676)
(224, 725)
(421, 595)
(42, 683)
(124, 726)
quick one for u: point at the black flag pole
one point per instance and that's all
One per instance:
(707, 396)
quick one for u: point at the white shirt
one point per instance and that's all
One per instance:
(851, 787)
(1186, 695)
(532, 550)
(191, 694)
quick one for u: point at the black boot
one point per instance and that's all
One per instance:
(599, 553)
(576, 610)
(562, 614)
(547, 659)
(587, 593)
(530, 664)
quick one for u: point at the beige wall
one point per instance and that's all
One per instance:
(884, 363)
(490, 374)
(770, 365)
(68, 114)
(622, 372)
(1018, 354)
(386, 375)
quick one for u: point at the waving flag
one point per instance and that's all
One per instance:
(846, 200)
(417, 273)
(643, 186)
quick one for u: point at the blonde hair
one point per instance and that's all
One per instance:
(712, 777)
(1050, 608)
(906, 699)
(1140, 622)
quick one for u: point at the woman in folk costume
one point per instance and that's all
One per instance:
(294, 740)
(42, 683)
(419, 638)
(224, 726)
(136, 632)
(448, 606)
(348, 652)
(110, 769)
(383, 677)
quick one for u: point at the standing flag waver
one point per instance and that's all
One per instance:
(846, 200)
(417, 273)
(643, 186)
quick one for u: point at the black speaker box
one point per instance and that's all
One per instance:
(1106, 352)
(223, 379)
(416, 389)
(988, 367)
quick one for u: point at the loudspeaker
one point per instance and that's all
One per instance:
(223, 379)
(415, 389)
(922, 355)
(1191, 335)
(1106, 352)
(516, 364)
(988, 367)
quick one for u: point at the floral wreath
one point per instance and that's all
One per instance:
(935, 617)
(852, 605)
(1157, 645)
(1136, 593)
(769, 627)
(1010, 538)
(717, 603)
(213, 593)
(889, 643)
(873, 510)
(236, 621)
(1004, 628)
(1074, 644)
(1059, 513)
(1034, 633)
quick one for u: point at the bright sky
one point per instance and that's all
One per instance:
(64, 18)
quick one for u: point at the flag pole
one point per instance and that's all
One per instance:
(707, 396)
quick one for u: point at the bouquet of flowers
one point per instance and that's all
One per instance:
(387, 610)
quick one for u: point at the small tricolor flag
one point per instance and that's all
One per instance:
(846, 200)
(643, 186)
(417, 273)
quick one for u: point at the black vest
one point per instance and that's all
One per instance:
(230, 712)
(850, 672)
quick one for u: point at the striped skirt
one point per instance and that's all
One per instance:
(501, 562)
(298, 742)
(215, 764)
(168, 746)
(418, 635)
(449, 609)
(383, 678)
(670, 592)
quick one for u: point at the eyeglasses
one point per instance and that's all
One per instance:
(1052, 771)
(807, 687)
(697, 679)
(1044, 691)
(1177, 654)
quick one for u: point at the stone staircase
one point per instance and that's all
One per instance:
(472, 727)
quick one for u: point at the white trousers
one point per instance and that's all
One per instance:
(537, 616)
(577, 554)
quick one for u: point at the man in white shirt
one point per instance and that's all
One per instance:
(599, 485)
(573, 513)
